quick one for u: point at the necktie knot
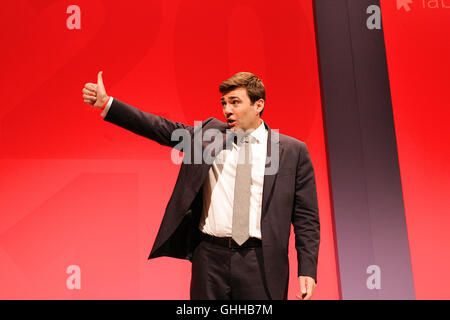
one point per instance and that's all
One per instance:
(241, 138)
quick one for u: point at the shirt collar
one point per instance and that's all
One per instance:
(260, 133)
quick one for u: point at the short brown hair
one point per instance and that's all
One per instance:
(247, 80)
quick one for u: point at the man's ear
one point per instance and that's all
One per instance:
(260, 105)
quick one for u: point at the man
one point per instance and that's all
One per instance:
(231, 216)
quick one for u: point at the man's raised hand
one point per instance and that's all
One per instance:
(95, 94)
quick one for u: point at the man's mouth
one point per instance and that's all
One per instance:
(231, 122)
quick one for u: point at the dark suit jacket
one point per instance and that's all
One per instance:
(288, 197)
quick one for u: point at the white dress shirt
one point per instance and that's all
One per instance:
(218, 188)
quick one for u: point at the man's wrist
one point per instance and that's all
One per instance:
(106, 102)
(106, 107)
(308, 274)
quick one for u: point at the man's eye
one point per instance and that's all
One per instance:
(233, 102)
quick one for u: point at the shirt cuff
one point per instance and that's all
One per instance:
(108, 105)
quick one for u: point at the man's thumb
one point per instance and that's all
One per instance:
(100, 80)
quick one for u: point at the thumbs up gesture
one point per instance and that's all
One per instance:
(94, 94)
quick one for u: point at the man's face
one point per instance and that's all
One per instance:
(239, 112)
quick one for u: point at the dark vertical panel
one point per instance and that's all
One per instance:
(362, 154)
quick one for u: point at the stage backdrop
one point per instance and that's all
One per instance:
(81, 200)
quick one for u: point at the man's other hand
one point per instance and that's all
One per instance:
(307, 286)
(95, 94)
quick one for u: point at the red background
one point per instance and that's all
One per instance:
(75, 190)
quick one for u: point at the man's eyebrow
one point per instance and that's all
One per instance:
(232, 97)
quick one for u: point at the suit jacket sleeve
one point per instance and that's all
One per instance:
(305, 218)
(145, 124)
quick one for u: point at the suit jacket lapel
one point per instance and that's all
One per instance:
(269, 179)
(200, 171)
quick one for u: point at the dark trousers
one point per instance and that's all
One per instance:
(221, 273)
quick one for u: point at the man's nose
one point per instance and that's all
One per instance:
(227, 110)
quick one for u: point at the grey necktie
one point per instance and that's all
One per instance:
(241, 204)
